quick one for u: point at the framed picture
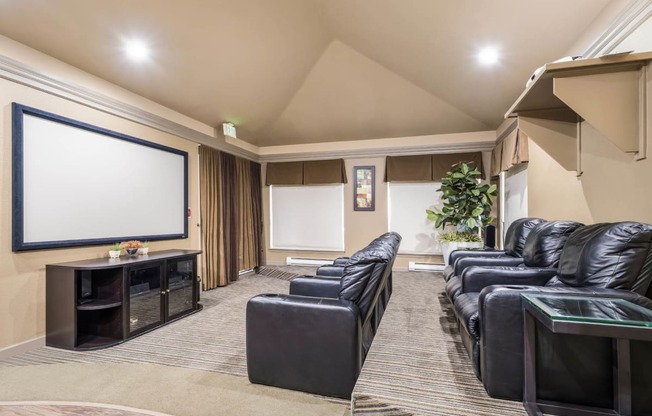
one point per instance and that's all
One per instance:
(364, 188)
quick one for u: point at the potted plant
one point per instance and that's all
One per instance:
(131, 246)
(467, 207)
(115, 250)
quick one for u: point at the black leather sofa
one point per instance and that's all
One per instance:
(605, 260)
(540, 249)
(316, 341)
(512, 254)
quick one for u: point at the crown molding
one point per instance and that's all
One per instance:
(484, 146)
(20, 73)
(629, 19)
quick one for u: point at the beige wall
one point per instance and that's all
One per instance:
(360, 226)
(22, 275)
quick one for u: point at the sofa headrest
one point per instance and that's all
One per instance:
(517, 234)
(391, 238)
(545, 242)
(609, 255)
(358, 270)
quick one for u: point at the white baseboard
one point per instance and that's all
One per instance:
(22, 347)
(414, 266)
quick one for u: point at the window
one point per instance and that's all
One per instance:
(308, 217)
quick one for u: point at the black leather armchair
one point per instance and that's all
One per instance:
(512, 254)
(318, 344)
(541, 250)
(605, 260)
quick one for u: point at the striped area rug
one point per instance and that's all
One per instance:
(417, 364)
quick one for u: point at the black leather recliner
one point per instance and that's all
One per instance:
(548, 235)
(515, 238)
(605, 260)
(318, 344)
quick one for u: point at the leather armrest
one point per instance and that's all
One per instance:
(464, 262)
(457, 254)
(476, 278)
(328, 270)
(303, 343)
(326, 287)
(340, 261)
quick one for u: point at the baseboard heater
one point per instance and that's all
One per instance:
(414, 266)
(298, 261)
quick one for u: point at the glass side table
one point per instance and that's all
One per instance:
(582, 315)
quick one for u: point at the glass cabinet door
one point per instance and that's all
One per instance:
(145, 297)
(180, 282)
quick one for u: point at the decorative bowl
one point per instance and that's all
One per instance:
(131, 251)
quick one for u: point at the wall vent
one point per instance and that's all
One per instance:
(298, 261)
(414, 266)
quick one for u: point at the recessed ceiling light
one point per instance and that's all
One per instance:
(136, 49)
(488, 55)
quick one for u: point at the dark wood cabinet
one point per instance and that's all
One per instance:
(97, 303)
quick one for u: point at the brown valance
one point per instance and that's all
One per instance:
(317, 172)
(427, 168)
(314, 172)
(284, 173)
(443, 163)
(511, 151)
(408, 168)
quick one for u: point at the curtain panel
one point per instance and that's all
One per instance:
(313, 172)
(427, 168)
(231, 216)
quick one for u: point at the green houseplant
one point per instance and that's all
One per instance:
(467, 206)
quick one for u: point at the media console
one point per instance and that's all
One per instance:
(97, 303)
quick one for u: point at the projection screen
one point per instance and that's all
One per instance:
(75, 184)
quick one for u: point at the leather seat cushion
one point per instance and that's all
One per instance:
(453, 287)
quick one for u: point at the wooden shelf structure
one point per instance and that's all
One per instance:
(612, 93)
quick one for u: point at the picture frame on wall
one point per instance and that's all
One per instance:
(364, 188)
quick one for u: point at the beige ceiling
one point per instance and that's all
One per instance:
(306, 71)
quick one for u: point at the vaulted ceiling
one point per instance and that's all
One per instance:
(307, 71)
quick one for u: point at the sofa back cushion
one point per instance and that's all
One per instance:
(609, 255)
(545, 242)
(517, 234)
(363, 274)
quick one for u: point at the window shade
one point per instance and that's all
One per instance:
(315, 172)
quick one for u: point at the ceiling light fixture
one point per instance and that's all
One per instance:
(136, 49)
(488, 56)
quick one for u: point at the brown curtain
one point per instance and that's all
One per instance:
(408, 168)
(257, 212)
(319, 172)
(245, 234)
(230, 219)
(442, 163)
(211, 205)
(496, 157)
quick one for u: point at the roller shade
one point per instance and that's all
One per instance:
(314, 172)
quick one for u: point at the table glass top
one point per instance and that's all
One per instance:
(591, 309)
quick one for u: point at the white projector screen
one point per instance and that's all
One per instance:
(307, 217)
(75, 184)
(407, 216)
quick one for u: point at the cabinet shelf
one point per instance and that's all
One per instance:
(96, 342)
(98, 304)
(611, 93)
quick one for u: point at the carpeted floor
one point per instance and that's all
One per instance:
(416, 366)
